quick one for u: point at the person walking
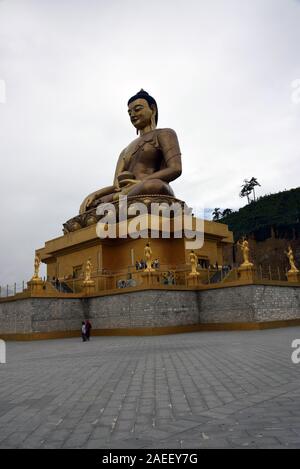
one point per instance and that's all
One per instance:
(88, 327)
(83, 331)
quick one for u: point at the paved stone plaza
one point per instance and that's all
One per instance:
(197, 390)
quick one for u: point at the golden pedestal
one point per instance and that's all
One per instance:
(293, 276)
(150, 277)
(246, 272)
(36, 285)
(89, 287)
(193, 279)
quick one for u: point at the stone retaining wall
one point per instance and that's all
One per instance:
(152, 308)
(40, 315)
(249, 303)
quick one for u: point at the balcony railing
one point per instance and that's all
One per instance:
(163, 277)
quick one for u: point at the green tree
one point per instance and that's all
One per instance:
(252, 184)
(226, 212)
(249, 187)
(216, 214)
(246, 190)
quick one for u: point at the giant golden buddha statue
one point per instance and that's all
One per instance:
(144, 171)
(148, 164)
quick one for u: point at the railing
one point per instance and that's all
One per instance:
(12, 289)
(164, 277)
(271, 273)
(260, 274)
(137, 278)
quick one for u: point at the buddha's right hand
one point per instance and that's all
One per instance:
(86, 203)
(128, 182)
(125, 175)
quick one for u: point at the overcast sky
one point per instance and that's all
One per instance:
(221, 72)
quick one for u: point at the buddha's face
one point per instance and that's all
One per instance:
(140, 113)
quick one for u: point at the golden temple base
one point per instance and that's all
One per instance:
(66, 256)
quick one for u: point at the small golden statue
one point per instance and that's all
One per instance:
(36, 284)
(245, 251)
(88, 272)
(37, 262)
(88, 283)
(148, 257)
(291, 259)
(194, 263)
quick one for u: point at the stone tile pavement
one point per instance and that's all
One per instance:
(198, 390)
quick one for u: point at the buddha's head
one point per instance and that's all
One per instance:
(142, 110)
